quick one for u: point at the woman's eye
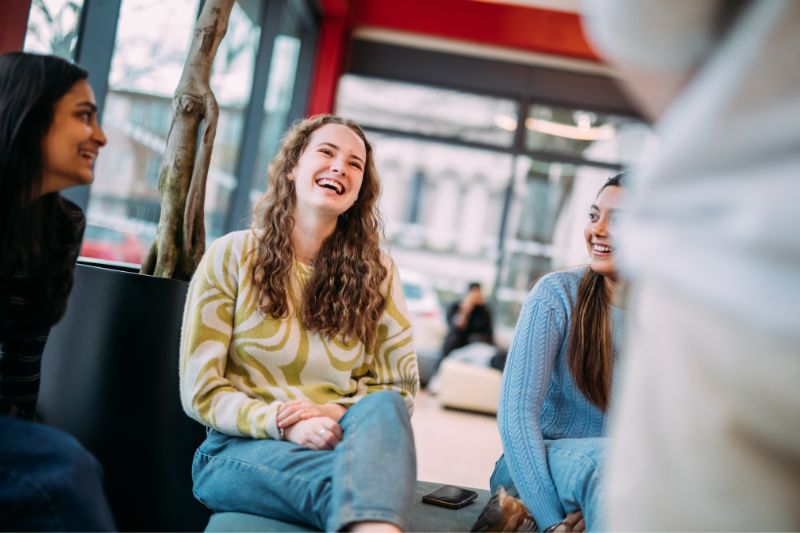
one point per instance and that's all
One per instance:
(356, 165)
(594, 217)
(326, 151)
(85, 116)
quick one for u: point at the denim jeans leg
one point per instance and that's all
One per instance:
(501, 477)
(272, 478)
(576, 470)
(48, 481)
(375, 471)
(370, 475)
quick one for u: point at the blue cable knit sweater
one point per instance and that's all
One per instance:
(539, 398)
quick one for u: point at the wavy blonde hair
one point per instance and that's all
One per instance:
(343, 296)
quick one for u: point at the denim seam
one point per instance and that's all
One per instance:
(372, 516)
(347, 460)
(347, 506)
(41, 490)
(255, 466)
(575, 455)
(578, 456)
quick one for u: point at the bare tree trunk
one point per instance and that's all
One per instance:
(180, 240)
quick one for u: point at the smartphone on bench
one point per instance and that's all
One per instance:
(450, 497)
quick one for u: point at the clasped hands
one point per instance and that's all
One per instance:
(573, 523)
(311, 425)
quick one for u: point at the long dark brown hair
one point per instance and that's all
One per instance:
(343, 296)
(590, 348)
(34, 228)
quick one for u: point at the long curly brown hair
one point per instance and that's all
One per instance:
(343, 296)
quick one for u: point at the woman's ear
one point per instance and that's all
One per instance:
(290, 175)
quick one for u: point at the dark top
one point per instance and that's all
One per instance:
(33, 297)
(478, 328)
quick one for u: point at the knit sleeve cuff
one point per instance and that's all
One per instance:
(272, 426)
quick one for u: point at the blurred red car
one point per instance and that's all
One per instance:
(103, 242)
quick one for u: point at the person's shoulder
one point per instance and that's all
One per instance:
(564, 280)
(387, 261)
(392, 272)
(561, 285)
(239, 240)
(234, 246)
(71, 209)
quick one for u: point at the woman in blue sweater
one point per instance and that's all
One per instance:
(557, 383)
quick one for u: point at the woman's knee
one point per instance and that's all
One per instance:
(501, 477)
(387, 401)
(382, 414)
(589, 450)
(62, 463)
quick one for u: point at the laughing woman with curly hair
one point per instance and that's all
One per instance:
(297, 351)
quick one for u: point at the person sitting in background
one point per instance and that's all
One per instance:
(49, 139)
(469, 321)
(297, 349)
(557, 387)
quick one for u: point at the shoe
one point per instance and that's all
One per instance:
(504, 513)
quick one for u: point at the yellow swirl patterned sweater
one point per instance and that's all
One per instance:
(237, 366)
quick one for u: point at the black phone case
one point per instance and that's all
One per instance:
(449, 502)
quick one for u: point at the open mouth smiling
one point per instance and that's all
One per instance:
(601, 248)
(333, 185)
(88, 154)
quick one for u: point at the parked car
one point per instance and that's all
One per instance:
(113, 244)
(427, 318)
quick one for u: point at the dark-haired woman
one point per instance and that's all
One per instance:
(49, 139)
(297, 351)
(557, 382)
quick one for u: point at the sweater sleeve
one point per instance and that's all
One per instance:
(394, 364)
(208, 318)
(538, 338)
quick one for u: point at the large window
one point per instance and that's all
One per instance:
(53, 27)
(231, 82)
(467, 196)
(442, 113)
(151, 45)
(586, 134)
(277, 103)
(281, 92)
(544, 231)
(151, 39)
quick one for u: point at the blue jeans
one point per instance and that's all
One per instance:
(575, 471)
(369, 476)
(48, 481)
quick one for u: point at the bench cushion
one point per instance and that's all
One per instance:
(424, 517)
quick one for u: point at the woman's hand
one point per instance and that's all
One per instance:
(318, 433)
(573, 522)
(294, 411)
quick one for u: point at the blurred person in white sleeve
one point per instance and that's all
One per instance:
(707, 424)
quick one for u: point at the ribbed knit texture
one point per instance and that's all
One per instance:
(539, 398)
(32, 300)
(238, 366)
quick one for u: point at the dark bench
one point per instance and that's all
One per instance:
(424, 517)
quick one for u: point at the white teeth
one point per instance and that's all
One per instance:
(333, 184)
(90, 155)
(601, 248)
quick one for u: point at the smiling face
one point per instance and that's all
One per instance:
(329, 172)
(597, 232)
(71, 145)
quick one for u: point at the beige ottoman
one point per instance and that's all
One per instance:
(467, 386)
